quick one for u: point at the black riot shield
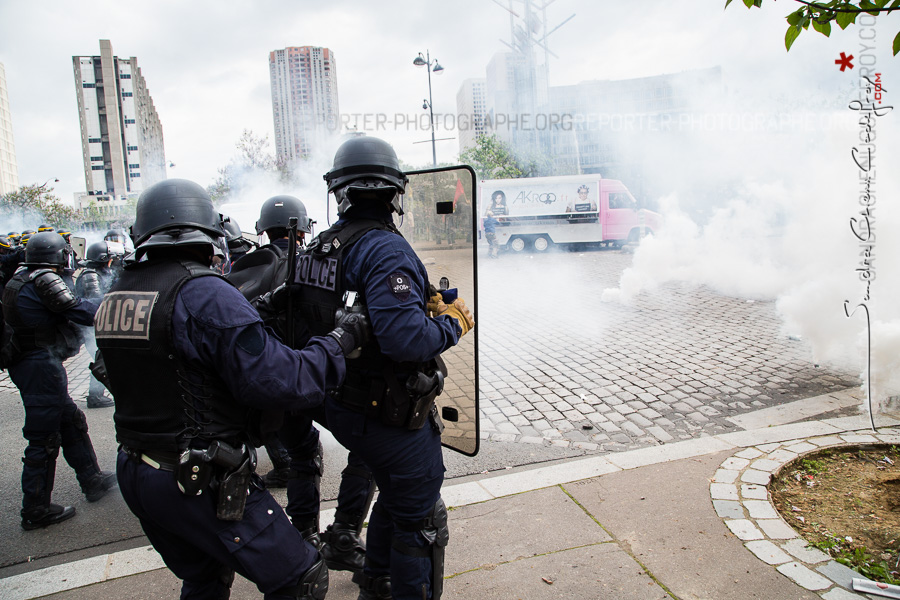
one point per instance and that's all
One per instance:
(439, 221)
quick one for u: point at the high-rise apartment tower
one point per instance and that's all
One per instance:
(304, 99)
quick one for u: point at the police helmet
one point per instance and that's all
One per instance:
(5, 244)
(44, 227)
(234, 237)
(175, 212)
(100, 253)
(65, 233)
(46, 249)
(14, 237)
(26, 235)
(115, 235)
(366, 168)
(276, 213)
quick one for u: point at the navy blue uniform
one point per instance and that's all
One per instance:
(217, 331)
(407, 464)
(51, 418)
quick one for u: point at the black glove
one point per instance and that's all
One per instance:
(352, 330)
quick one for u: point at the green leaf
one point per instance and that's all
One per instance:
(844, 19)
(897, 44)
(794, 17)
(895, 4)
(727, 2)
(823, 28)
(790, 36)
(805, 22)
(748, 3)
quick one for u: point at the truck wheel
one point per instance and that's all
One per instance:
(541, 243)
(634, 236)
(517, 244)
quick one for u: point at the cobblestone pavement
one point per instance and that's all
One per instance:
(559, 367)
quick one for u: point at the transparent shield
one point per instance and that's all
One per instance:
(439, 223)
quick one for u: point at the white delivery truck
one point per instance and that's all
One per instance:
(538, 212)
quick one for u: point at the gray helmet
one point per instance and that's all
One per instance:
(99, 253)
(47, 249)
(175, 212)
(366, 168)
(277, 211)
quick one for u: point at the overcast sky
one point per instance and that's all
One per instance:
(206, 62)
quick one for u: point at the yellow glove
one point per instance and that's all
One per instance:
(435, 305)
(459, 311)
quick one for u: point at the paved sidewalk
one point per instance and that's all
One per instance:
(683, 520)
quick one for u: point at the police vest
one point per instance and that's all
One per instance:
(320, 273)
(62, 337)
(162, 403)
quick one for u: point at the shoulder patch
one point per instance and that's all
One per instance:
(400, 286)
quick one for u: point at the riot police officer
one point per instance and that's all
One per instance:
(11, 256)
(190, 365)
(44, 313)
(238, 245)
(93, 282)
(299, 465)
(260, 273)
(377, 413)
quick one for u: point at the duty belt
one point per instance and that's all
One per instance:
(162, 461)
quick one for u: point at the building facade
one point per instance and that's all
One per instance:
(9, 171)
(121, 134)
(304, 100)
(471, 107)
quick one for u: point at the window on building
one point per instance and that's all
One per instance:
(127, 94)
(96, 158)
(129, 121)
(96, 167)
(125, 76)
(87, 85)
(134, 166)
(133, 175)
(132, 148)
(93, 140)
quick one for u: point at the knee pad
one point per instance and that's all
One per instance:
(373, 588)
(313, 584)
(49, 446)
(434, 528)
(79, 420)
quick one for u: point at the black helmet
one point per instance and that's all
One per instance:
(47, 249)
(14, 237)
(366, 168)
(237, 243)
(115, 235)
(101, 252)
(175, 212)
(44, 227)
(26, 235)
(276, 212)
(5, 244)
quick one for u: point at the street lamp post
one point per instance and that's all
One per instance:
(434, 66)
(43, 185)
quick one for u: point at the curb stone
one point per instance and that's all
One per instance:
(739, 492)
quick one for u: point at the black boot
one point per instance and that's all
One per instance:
(373, 588)
(342, 548)
(42, 516)
(97, 486)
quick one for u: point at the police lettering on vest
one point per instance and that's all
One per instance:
(125, 315)
(320, 273)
